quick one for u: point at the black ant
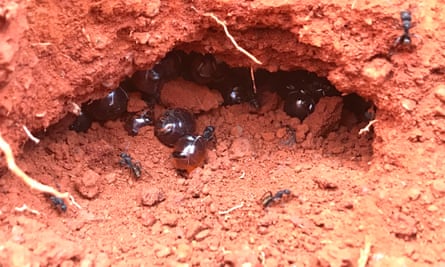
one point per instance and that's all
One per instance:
(58, 203)
(405, 38)
(268, 198)
(135, 167)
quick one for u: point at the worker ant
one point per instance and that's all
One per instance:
(404, 40)
(268, 198)
(58, 203)
(135, 167)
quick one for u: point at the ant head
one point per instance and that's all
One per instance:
(405, 15)
(208, 132)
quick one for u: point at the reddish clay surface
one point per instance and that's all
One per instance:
(387, 187)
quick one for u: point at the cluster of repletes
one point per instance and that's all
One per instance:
(176, 128)
(300, 90)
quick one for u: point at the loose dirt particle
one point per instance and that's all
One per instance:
(377, 70)
(268, 136)
(162, 251)
(183, 252)
(88, 185)
(168, 219)
(408, 104)
(439, 92)
(147, 218)
(432, 208)
(151, 196)
(202, 235)
(280, 133)
(414, 193)
(193, 228)
(325, 184)
(301, 132)
(438, 188)
(240, 148)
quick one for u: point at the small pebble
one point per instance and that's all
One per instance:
(202, 235)
(148, 219)
(169, 219)
(414, 193)
(183, 252)
(280, 133)
(438, 188)
(408, 104)
(268, 136)
(439, 92)
(162, 251)
(432, 208)
(151, 196)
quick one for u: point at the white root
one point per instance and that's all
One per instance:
(231, 38)
(231, 209)
(33, 184)
(29, 134)
(367, 128)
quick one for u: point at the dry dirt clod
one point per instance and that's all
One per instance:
(88, 185)
(326, 116)
(404, 226)
(151, 196)
(377, 70)
(194, 97)
(147, 218)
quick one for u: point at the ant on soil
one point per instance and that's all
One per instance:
(289, 139)
(135, 167)
(268, 198)
(58, 203)
(404, 40)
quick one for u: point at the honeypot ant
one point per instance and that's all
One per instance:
(268, 198)
(127, 161)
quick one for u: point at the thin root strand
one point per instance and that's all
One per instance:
(26, 208)
(232, 39)
(367, 127)
(231, 209)
(33, 184)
